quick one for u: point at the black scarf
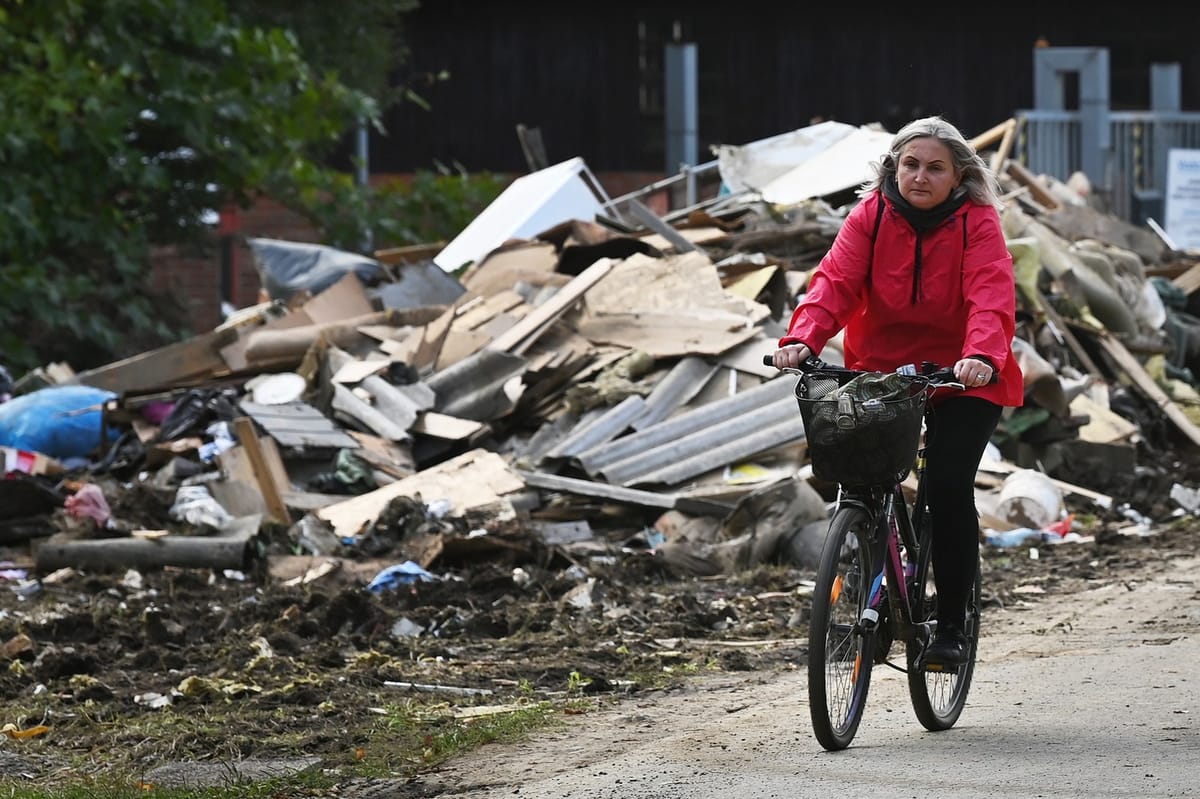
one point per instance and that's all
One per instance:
(921, 219)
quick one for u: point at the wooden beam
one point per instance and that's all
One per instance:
(1061, 331)
(992, 135)
(243, 428)
(1137, 374)
(1001, 154)
(1031, 182)
(520, 336)
(1189, 281)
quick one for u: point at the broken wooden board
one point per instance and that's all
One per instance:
(173, 365)
(524, 333)
(1030, 181)
(992, 135)
(694, 235)
(265, 469)
(475, 480)
(411, 254)
(451, 428)
(1137, 374)
(298, 424)
(1006, 468)
(1189, 281)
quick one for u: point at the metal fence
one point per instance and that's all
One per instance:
(1135, 179)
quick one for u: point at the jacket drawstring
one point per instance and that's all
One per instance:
(916, 282)
(916, 287)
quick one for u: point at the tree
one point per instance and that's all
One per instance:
(323, 30)
(125, 123)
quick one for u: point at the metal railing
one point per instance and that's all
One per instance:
(1135, 179)
(684, 191)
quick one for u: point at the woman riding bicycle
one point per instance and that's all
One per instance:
(920, 271)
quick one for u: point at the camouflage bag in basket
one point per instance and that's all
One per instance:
(865, 432)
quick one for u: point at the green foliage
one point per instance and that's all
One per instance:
(323, 28)
(432, 206)
(125, 122)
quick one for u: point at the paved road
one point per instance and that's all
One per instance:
(1096, 695)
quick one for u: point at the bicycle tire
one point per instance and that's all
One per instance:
(840, 658)
(938, 698)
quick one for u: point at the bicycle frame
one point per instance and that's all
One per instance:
(893, 571)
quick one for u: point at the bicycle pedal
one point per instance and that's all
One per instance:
(939, 668)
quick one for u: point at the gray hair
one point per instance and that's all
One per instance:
(978, 179)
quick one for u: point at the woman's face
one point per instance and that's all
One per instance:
(925, 172)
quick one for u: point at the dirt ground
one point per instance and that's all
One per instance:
(122, 672)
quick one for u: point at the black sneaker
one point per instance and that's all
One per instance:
(947, 649)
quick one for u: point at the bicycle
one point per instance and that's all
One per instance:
(874, 581)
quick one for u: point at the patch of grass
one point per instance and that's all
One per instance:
(404, 740)
(413, 736)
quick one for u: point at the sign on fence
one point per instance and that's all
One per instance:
(1183, 198)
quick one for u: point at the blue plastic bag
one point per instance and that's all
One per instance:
(60, 421)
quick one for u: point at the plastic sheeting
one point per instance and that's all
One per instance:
(288, 267)
(59, 421)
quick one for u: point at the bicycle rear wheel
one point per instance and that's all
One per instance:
(938, 698)
(839, 655)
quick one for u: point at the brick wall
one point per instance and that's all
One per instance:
(196, 277)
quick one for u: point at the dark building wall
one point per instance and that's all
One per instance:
(590, 76)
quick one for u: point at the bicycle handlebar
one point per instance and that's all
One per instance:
(933, 375)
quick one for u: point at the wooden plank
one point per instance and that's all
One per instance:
(433, 335)
(475, 480)
(166, 366)
(1004, 467)
(520, 336)
(451, 428)
(243, 428)
(1136, 373)
(412, 254)
(480, 313)
(1189, 281)
(1030, 181)
(1063, 331)
(991, 135)
(1001, 154)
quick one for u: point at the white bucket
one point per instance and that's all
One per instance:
(1028, 498)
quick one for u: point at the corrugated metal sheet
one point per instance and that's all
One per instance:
(703, 432)
(605, 428)
(730, 439)
(735, 449)
(473, 388)
(682, 383)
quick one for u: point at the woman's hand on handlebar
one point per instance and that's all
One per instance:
(790, 356)
(973, 372)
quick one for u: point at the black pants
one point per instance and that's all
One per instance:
(958, 433)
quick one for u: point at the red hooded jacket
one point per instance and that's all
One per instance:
(965, 296)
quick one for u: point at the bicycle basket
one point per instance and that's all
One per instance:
(865, 432)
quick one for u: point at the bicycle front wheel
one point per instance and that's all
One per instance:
(938, 698)
(839, 654)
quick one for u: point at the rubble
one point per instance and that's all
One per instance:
(580, 408)
(601, 364)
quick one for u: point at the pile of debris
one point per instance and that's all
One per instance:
(593, 387)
